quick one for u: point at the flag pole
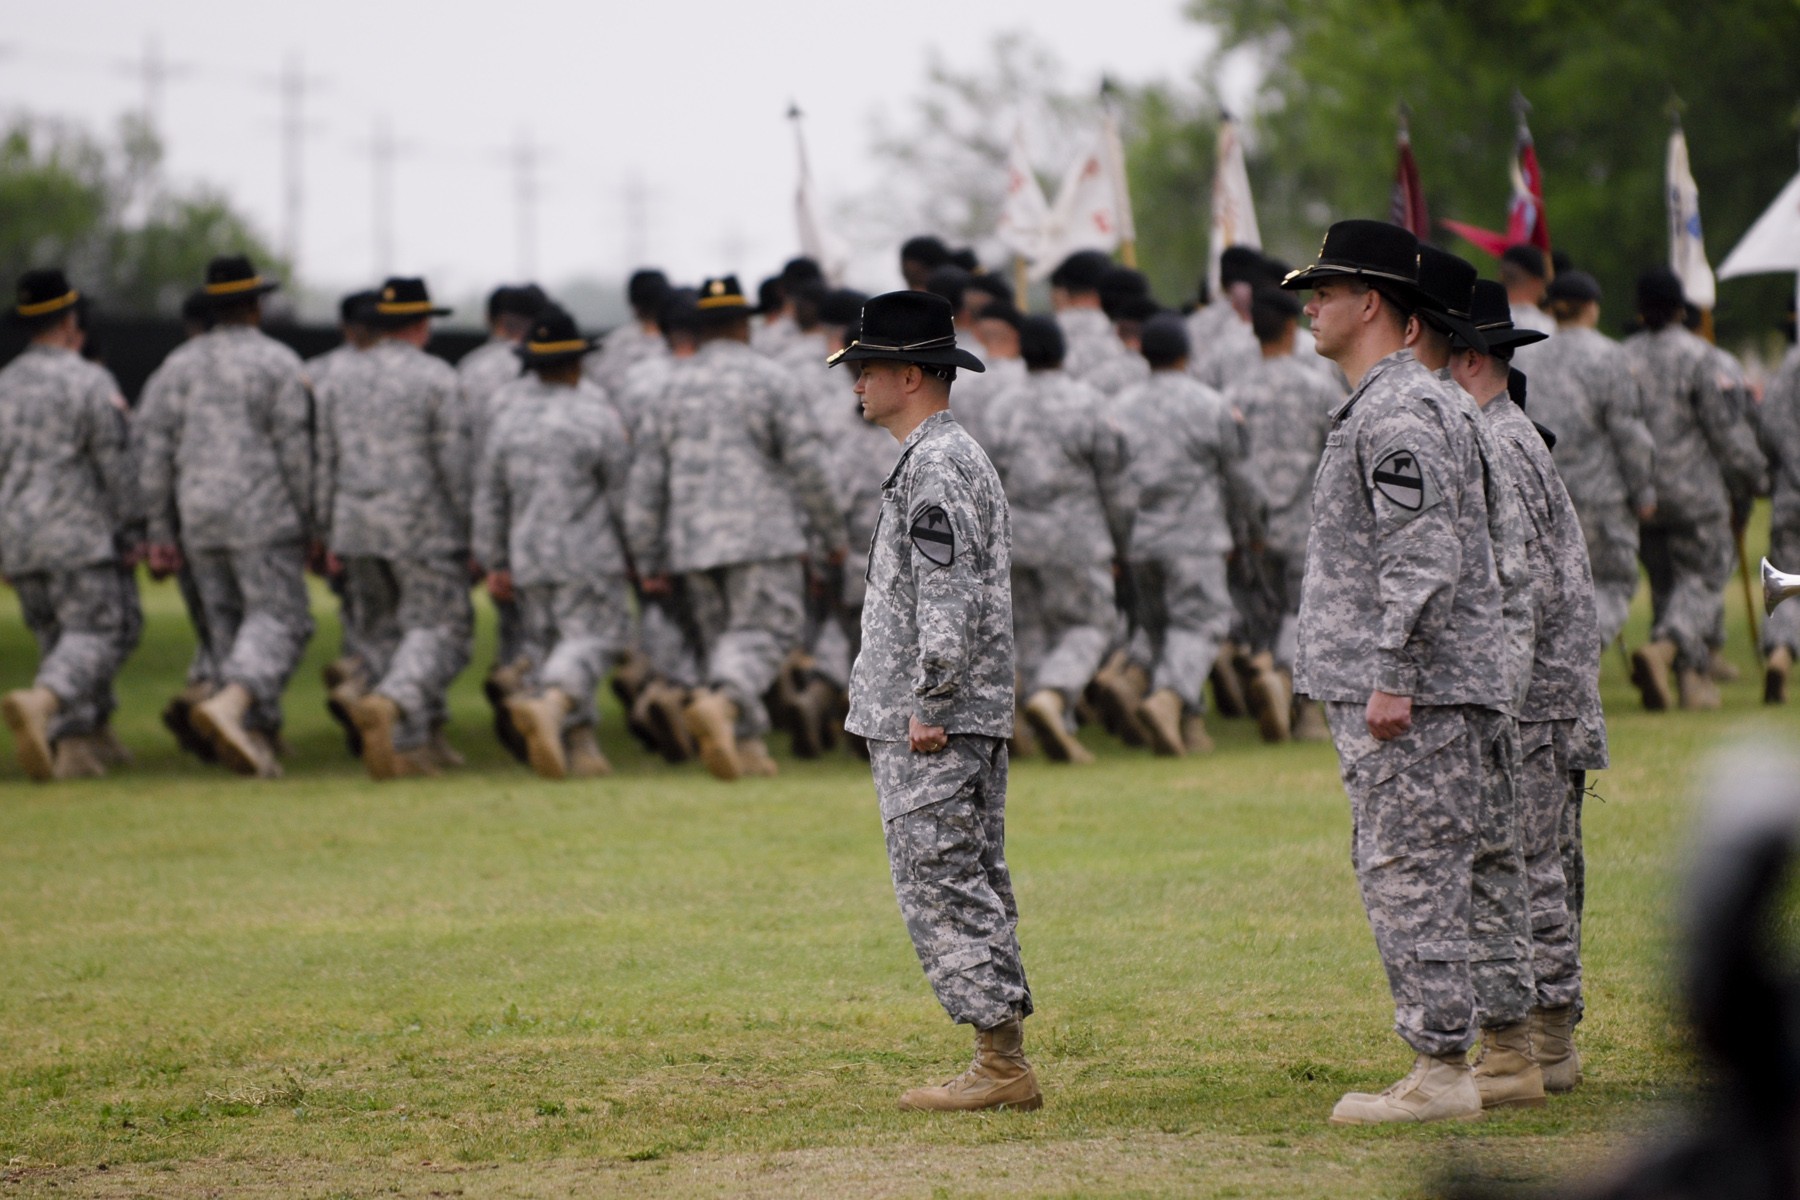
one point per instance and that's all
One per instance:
(1022, 283)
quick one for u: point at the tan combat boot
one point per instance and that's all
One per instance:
(711, 720)
(1775, 673)
(1553, 1046)
(78, 757)
(1698, 692)
(998, 1078)
(1160, 715)
(659, 709)
(377, 717)
(810, 720)
(112, 752)
(178, 719)
(274, 750)
(1650, 667)
(1194, 737)
(1721, 669)
(221, 719)
(1119, 687)
(1044, 714)
(1271, 698)
(350, 683)
(1309, 721)
(585, 759)
(755, 760)
(347, 669)
(630, 677)
(1022, 744)
(539, 720)
(1228, 689)
(1506, 1074)
(1438, 1088)
(28, 713)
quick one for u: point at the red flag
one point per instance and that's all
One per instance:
(1526, 223)
(1407, 206)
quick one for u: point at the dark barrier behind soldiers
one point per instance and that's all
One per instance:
(132, 347)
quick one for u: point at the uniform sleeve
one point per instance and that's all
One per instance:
(156, 430)
(291, 430)
(488, 517)
(114, 465)
(1622, 413)
(1733, 442)
(1109, 457)
(615, 462)
(1417, 551)
(1246, 507)
(325, 463)
(943, 539)
(803, 454)
(450, 448)
(647, 497)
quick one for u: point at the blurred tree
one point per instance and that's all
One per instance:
(103, 213)
(1600, 74)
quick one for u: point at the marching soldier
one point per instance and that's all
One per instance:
(634, 340)
(1193, 503)
(1087, 335)
(932, 691)
(1779, 428)
(729, 414)
(394, 506)
(68, 506)
(1704, 452)
(1562, 731)
(227, 462)
(1401, 634)
(548, 501)
(1584, 391)
(1061, 461)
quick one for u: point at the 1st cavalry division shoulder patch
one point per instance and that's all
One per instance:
(932, 536)
(1399, 478)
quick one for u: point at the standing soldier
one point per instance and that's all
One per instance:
(1286, 406)
(1704, 451)
(634, 340)
(394, 506)
(548, 497)
(67, 502)
(228, 468)
(1778, 424)
(932, 693)
(731, 423)
(1562, 730)
(1194, 501)
(1584, 392)
(1401, 634)
(1062, 462)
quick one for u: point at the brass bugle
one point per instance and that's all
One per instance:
(1777, 586)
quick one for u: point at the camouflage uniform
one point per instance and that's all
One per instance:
(976, 394)
(1230, 353)
(1061, 461)
(1583, 390)
(1116, 374)
(1704, 451)
(1286, 410)
(621, 350)
(659, 626)
(732, 425)
(548, 496)
(394, 483)
(228, 471)
(68, 500)
(202, 670)
(1090, 342)
(1562, 731)
(1194, 500)
(1401, 595)
(937, 645)
(318, 369)
(1778, 423)
(484, 375)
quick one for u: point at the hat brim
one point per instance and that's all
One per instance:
(381, 320)
(950, 356)
(1454, 327)
(531, 358)
(220, 299)
(1311, 277)
(1502, 339)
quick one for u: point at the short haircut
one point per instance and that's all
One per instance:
(950, 282)
(1164, 340)
(1002, 311)
(925, 250)
(1081, 271)
(992, 285)
(1528, 259)
(1041, 343)
(644, 290)
(1272, 310)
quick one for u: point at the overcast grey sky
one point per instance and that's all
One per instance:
(685, 100)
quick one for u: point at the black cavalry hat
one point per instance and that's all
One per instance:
(553, 340)
(722, 299)
(1492, 315)
(42, 293)
(1372, 250)
(1446, 289)
(403, 300)
(231, 277)
(908, 327)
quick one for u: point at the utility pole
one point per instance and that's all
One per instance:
(154, 72)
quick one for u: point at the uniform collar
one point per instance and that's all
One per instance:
(1381, 367)
(936, 420)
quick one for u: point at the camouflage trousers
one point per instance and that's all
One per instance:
(571, 633)
(660, 637)
(747, 616)
(945, 819)
(417, 623)
(1434, 842)
(86, 621)
(201, 667)
(1064, 620)
(1783, 626)
(1689, 566)
(1611, 530)
(1550, 824)
(258, 620)
(1183, 610)
(511, 637)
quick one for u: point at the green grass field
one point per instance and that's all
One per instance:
(488, 985)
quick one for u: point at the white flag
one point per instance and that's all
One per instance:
(816, 241)
(1084, 216)
(1025, 216)
(1687, 253)
(1233, 211)
(1773, 243)
(1115, 169)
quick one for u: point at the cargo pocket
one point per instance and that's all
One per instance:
(1422, 789)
